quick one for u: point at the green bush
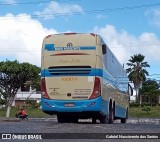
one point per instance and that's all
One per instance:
(145, 104)
(134, 104)
(146, 108)
(33, 104)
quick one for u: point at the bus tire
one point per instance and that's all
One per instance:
(104, 119)
(124, 120)
(108, 119)
(74, 120)
(93, 120)
(60, 119)
(110, 116)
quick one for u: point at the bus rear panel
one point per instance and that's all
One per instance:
(73, 78)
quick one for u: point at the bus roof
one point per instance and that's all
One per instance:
(72, 33)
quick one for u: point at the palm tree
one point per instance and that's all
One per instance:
(136, 72)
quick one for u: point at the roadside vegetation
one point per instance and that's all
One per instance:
(14, 75)
(147, 90)
(134, 111)
(137, 73)
(144, 112)
(32, 112)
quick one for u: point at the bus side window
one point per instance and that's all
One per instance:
(104, 48)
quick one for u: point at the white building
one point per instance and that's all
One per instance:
(26, 93)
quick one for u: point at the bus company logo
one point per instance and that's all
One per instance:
(69, 44)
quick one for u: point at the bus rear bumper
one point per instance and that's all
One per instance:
(76, 106)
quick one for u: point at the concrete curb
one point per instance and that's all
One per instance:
(130, 120)
(4, 119)
(144, 121)
(43, 119)
(11, 119)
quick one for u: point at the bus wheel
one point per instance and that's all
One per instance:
(74, 120)
(110, 116)
(107, 119)
(124, 120)
(60, 119)
(93, 120)
(104, 120)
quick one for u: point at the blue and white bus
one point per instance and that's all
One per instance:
(81, 79)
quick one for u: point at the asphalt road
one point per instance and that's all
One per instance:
(85, 130)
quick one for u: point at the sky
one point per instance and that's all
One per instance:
(128, 27)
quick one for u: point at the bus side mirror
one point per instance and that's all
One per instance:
(130, 90)
(104, 49)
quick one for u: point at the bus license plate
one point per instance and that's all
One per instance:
(69, 105)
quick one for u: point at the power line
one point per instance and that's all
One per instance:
(113, 46)
(89, 12)
(135, 44)
(154, 75)
(47, 1)
(96, 11)
(35, 2)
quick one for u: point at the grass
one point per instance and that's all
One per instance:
(32, 112)
(138, 112)
(133, 112)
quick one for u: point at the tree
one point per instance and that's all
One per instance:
(12, 76)
(151, 89)
(3, 98)
(136, 72)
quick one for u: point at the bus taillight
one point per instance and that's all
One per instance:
(43, 89)
(97, 88)
(48, 36)
(92, 34)
(70, 33)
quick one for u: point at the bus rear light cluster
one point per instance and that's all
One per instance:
(47, 104)
(93, 34)
(92, 103)
(97, 88)
(48, 36)
(70, 33)
(43, 89)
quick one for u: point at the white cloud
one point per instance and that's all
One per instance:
(125, 45)
(55, 8)
(153, 16)
(100, 16)
(21, 38)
